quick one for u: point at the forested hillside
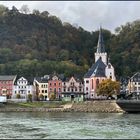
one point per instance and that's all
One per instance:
(38, 43)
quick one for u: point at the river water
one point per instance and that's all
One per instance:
(65, 125)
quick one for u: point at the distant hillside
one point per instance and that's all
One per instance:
(39, 43)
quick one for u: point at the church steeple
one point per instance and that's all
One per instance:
(100, 53)
(100, 45)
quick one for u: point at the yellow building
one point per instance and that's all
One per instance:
(41, 85)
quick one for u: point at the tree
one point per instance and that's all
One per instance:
(45, 14)
(108, 88)
(30, 97)
(41, 97)
(52, 96)
(24, 9)
(3, 10)
(36, 12)
(18, 96)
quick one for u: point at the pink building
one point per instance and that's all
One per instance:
(55, 85)
(6, 85)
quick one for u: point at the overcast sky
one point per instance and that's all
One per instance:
(87, 14)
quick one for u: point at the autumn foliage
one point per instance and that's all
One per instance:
(108, 88)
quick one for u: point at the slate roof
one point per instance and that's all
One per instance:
(96, 70)
(29, 79)
(100, 45)
(136, 77)
(7, 77)
(41, 79)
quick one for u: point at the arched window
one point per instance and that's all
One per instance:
(97, 82)
(109, 66)
(92, 83)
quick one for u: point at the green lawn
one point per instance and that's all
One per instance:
(51, 104)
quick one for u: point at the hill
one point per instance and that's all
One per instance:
(38, 43)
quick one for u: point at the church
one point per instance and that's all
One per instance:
(99, 71)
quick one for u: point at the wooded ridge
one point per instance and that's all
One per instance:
(38, 43)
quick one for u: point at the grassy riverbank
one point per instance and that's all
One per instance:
(105, 106)
(33, 105)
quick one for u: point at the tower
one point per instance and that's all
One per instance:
(100, 52)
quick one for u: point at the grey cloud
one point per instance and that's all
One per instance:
(88, 14)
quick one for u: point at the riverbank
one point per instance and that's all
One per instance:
(106, 106)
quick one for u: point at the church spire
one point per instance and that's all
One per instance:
(100, 45)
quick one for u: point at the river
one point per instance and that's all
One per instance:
(65, 125)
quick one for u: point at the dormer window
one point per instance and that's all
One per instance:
(109, 66)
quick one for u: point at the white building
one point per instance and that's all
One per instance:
(134, 84)
(99, 71)
(23, 88)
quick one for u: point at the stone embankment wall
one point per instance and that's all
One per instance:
(107, 106)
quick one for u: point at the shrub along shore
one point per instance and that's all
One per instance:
(106, 106)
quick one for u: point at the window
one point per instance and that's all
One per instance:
(42, 91)
(45, 91)
(72, 89)
(59, 89)
(97, 82)
(50, 89)
(64, 89)
(59, 84)
(42, 86)
(92, 83)
(50, 84)
(80, 89)
(29, 91)
(86, 88)
(68, 89)
(109, 66)
(54, 84)
(64, 83)
(15, 92)
(87, 81)
(75, 89)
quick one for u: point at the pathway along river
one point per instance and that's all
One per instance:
(66, 125)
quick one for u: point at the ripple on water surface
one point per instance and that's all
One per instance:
(66, 125)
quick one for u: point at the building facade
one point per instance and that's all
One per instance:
(6, 85)
(23, 88)
(99, 71)
(134, 84)
(72, 90)
(55, 85)
(41, 86)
